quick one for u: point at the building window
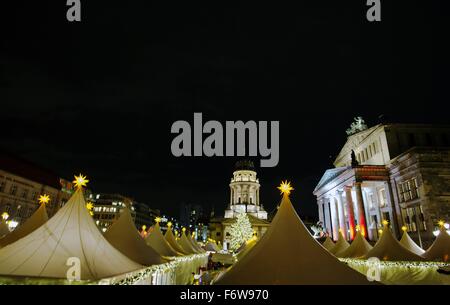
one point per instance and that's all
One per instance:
(382, 197)
(217, 233)
(13, 190)
(2, 186)
(413, 215)
(408, 190)
(24, 193)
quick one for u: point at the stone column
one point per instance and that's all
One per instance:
(257, 196)
(334, 218)
(340, 206)
(350, 212)
(320, 207)
(361, 210)
(327, 217)
(391, 204)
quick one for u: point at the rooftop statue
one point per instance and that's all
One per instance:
(357, 126)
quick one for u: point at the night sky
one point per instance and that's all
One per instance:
(99, 96)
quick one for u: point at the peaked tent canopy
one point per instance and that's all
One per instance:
(388, 248)
(328, 243)
(170, 238)
(4, 229)
(71, 232)
(156, 240)
(301, 259)
(359, 247)
(125, 237)
(407, 242)
(186, 245)
(35, 221)
(211, 246)
(249, 244)
(440, 249)
(340, 245)
(195, 245)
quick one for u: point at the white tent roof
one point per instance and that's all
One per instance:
(71, 232)
(328, 243)
(388, 248)
(288, 254)
(4, 229)
(249, 244)
(156, 240)
(124, 236)
(35, 221)
(407, 242)
(340, 245)
(170, 238)
(440, 249)
(186, 244)
(195, 245)
(359, 247)
(210, 246)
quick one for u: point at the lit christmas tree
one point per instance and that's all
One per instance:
(240, 231)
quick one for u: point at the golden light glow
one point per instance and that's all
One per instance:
(5, 215)
(89, 205)
(357, 228)
(285, 187)
(144, 227)
(380, 231)
(184, 229)
(169, 224)
(404, 228)
(80, 181)
(44, 199)
(385, 222)
(176, 232)
(158, 219)
(441, 223)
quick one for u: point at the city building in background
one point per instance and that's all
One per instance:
(394, 172)
(244, 198)
(21, 183)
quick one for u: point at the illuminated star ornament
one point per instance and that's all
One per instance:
(5, 215)
(285, 187)
(80, 181)
(89, 207)
(169, 224)
(158, 219)
(441, 223)
(404, 229)
(44, 199)
(385, 222)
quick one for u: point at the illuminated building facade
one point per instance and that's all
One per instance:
(394, 172)
(21, 183)
(244, 198)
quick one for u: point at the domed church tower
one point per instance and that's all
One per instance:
(244, 192)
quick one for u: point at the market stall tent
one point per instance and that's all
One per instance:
(212, 247)
(186, 245)
(156, 240)
(288, 254)
(170, 238)
(388, 248)
(440, 249)
(195, 245)
(70, 235)
(340, 245)
(328, 243)
(124, 236)
(358, 248)
(249, 244)
(35, 221)
(407, 242)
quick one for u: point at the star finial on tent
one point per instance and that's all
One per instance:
(184, 229)
(158, 219)
(169, 224)
(44, 199)
(89, 207)
(80, 181)
(357, 228)
(385, 222)
(404, 228)
(380, 231)
(441, 223)
(5, 215)
(285, 187)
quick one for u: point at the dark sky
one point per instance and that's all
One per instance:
(99, 96)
